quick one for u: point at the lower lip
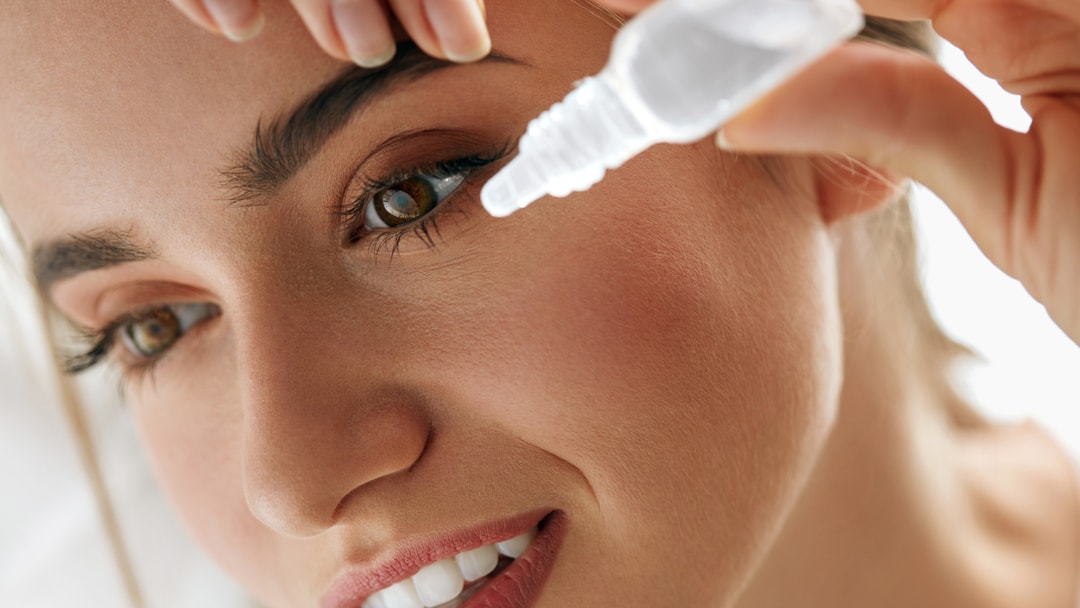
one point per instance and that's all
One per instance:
(520, 584)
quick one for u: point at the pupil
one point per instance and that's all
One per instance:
(405, 202)
(400, 204)
(154, 334)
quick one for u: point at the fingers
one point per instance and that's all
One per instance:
(238, 20)
(459, 28)
(364, 30)
(360, 30)
(898, 111)
(413, 17)
(350, 30)
(453, 29)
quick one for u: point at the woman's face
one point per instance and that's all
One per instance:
(654, 361)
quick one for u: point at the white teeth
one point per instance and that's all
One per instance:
(438, 583)
(400, 595)
(478, 563)
(514, 547)
(444, 580)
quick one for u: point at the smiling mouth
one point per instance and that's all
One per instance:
(450, 582)
(491, 568)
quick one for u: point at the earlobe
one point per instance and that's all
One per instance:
(846, 187)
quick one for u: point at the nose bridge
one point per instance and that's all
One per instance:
(318, 423)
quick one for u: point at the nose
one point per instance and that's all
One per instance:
(322, 418)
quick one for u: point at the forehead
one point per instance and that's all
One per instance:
(109, 106)
(117, 97)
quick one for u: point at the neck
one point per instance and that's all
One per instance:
(905, 507)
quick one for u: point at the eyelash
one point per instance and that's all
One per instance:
(382, 241)
(105, 340)
(388, 240)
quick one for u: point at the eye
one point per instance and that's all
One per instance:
(408, 200)
(148, 335)
(387, 210)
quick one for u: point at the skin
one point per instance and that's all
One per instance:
(681, 330)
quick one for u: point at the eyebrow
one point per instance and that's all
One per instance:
(66, 257)
(280, 147)
(285, 143)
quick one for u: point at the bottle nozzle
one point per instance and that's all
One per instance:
(568, 148)
(511, 189)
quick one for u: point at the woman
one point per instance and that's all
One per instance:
(701, 383)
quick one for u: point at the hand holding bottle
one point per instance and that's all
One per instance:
(1018, 195)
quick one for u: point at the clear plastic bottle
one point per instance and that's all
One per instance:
(677, 72)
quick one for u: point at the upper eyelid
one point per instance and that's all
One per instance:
(413, 150)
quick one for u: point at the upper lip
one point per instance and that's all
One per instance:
(356, 582)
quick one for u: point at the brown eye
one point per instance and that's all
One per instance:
(405, 202)
(151, 334)
(408, 200)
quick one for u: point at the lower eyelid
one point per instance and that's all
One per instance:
(427, 229)
(132, 363)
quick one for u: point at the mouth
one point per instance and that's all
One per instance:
(505, 573)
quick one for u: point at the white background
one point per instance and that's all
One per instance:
(1032, 370)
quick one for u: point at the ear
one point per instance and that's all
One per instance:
(846, 187)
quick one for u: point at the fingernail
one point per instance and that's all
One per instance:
(364, 31)
(239, 20)
(376, 61)
(722, 141)
(459, 25)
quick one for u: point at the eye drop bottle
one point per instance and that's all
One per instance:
(677, 72)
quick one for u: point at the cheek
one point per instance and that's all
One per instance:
(194, 444)
(667, 336)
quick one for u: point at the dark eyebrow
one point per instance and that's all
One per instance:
(66, 257)
(285, 143)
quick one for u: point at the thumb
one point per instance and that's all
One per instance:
(895, 110)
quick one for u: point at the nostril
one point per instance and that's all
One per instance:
(300, 474)
(420, 447)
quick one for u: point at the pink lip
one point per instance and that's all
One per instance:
(355, 584)
(519, 585)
